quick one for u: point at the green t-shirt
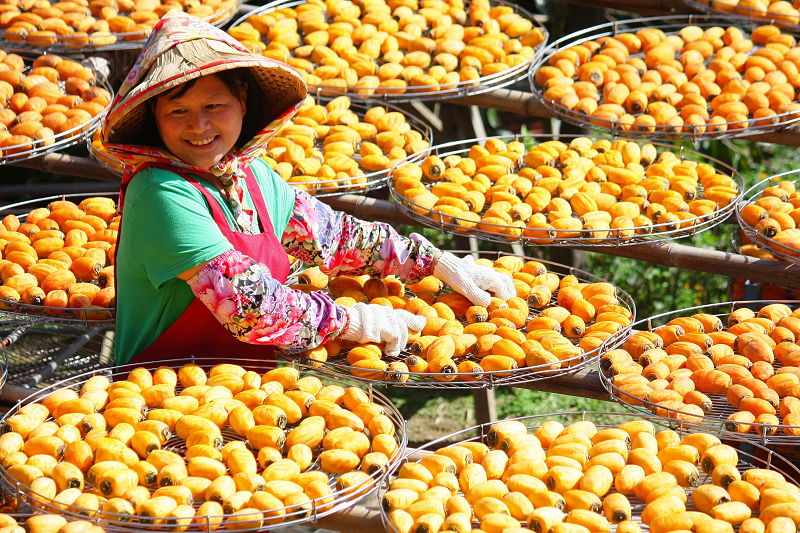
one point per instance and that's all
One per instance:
(167, 229)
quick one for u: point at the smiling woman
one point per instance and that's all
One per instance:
(207, 226)
(201, 120)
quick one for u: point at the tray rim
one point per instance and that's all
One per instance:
(462, 89)
(669, 22)
(341, 499)
(702, 223)
(707, 421)
(779, 251)
(427, 382)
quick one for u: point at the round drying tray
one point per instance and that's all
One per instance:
(40, 314)
(339, 499)
(669, 25)
(486, 379)
(408, 92)
(750, 455)
(497, 231)
(74, 44)
(785, 244)
(370, 180)
(789, 21)
(79, 134)
(716, 416)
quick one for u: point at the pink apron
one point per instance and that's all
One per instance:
(197, 332)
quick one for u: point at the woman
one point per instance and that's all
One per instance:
(206, 226)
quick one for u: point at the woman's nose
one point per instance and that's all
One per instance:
(198, 121)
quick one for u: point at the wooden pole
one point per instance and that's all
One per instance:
(669, 254)
(524, 103)
(647, 8)
(584, 383)
(70, 165)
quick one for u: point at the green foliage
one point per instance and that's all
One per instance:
(513, 402)
(657, 289)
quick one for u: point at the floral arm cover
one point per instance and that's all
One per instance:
(257, 309)
(341, 244)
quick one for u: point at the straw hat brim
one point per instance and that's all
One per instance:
(282, 86)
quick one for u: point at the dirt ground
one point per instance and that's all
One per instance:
(448, 417)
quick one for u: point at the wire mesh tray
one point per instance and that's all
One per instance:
(37, 314)
(73, 44)
(489, 379)
(750, 455)
(38, 148)
(471, 87)
(780, 251)
(338, 500)
(666, 231)
(670, 25)
(42, 354)
(717, 416)
(790, 21)
(370, 180)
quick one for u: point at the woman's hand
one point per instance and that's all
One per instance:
(472, 280)
(380, 323)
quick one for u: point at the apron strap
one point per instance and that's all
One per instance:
(257, 198)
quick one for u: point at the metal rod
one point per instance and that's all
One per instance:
(51, 367)
(15, 334)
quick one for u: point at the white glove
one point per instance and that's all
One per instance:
(473, 280)
(380, 323)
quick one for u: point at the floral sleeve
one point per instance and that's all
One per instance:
(257, 309)
(341, 244)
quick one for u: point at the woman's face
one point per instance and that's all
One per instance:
(203, 124)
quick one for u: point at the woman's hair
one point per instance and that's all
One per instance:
(236, 80)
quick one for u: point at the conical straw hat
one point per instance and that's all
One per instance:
(182, 48)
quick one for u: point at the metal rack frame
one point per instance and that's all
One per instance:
(715, 420)
(503, 233)
(41, 354)
(396, 95)
(320, 507)
(669, 24)
(495, 378)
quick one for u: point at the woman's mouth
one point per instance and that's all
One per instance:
(203, 142)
